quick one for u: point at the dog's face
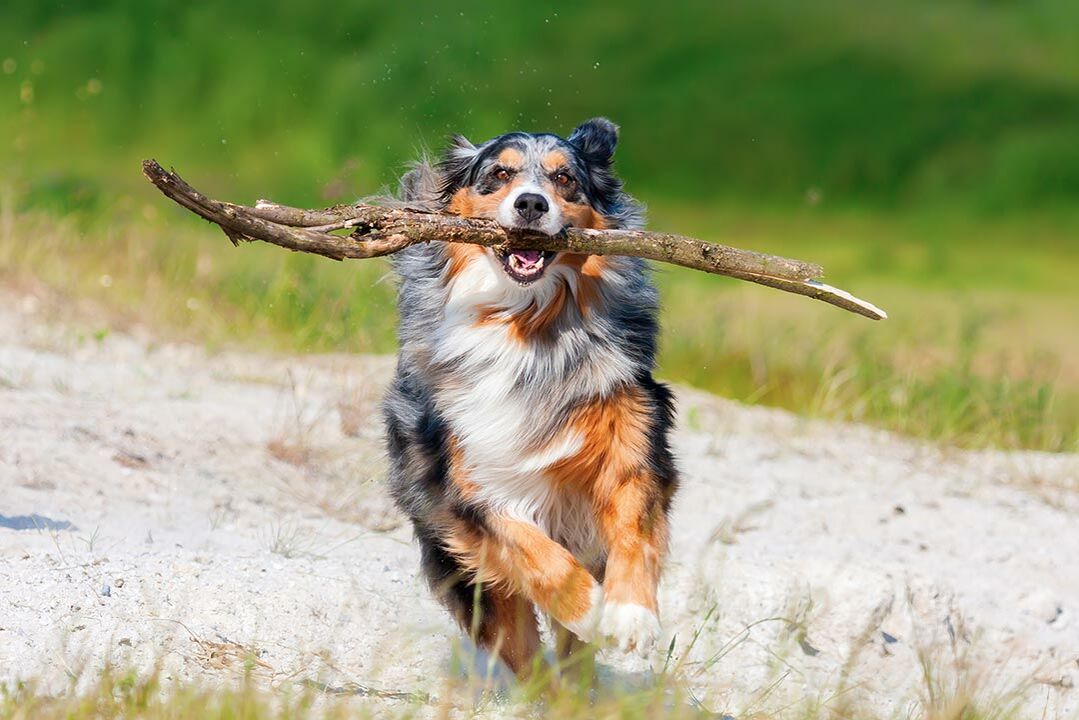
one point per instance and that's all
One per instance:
(538, 182)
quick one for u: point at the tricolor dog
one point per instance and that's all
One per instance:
(528, 440)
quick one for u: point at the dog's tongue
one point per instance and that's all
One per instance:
(528, 257)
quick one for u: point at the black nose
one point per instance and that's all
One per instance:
(530, 206)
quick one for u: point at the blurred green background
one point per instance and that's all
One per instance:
(926, 152)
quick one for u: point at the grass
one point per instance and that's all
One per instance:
(976, 350)
(887, 104)
(973, 354)
(922, 151)
(951, 689)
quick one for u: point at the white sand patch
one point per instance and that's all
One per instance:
(196, 539)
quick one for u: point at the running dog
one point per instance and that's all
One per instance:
(528, 441)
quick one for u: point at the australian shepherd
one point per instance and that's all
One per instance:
(528, 441)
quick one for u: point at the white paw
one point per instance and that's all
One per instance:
(587, 626)
(630, 627)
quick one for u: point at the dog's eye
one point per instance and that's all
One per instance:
(501, 174)
(563, 179)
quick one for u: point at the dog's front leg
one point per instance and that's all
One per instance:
(633, 522)
(519, 555)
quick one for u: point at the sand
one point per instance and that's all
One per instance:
(194, 511)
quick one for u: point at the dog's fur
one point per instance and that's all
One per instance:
(528, 440)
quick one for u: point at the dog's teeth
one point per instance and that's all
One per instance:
(524, 269)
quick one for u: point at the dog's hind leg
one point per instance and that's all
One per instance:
(507, 625)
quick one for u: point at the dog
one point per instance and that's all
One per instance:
(528, 441)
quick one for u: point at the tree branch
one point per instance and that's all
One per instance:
(377, 231)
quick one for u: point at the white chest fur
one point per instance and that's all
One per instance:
(507, 402)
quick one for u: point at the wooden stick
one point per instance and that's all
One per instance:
(377, 231)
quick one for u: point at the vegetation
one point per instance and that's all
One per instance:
(923, 152)
(888, 104)
(950, 691)
(970, 355)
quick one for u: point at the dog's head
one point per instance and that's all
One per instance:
(539, 182)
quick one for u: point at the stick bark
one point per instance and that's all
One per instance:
(375, 231)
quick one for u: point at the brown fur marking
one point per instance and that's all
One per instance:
(580, 215)
(554, 160)
(460, 255)
(464, 486)
(510, 158)
(467, 203)
(517, 557)
(611, 468)
(636, 533)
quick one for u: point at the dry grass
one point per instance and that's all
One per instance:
(295, 441)
(970, 356)
(291, 541)
(358, 410)
(340, 470)
(949, 693)
(692, 681)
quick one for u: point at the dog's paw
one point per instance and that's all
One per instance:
(586, 627)
(630, 627)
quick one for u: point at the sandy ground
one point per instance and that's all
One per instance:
(227, 504)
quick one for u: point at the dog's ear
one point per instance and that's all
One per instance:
(455, 166)
(596, 139)
(460, 145)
